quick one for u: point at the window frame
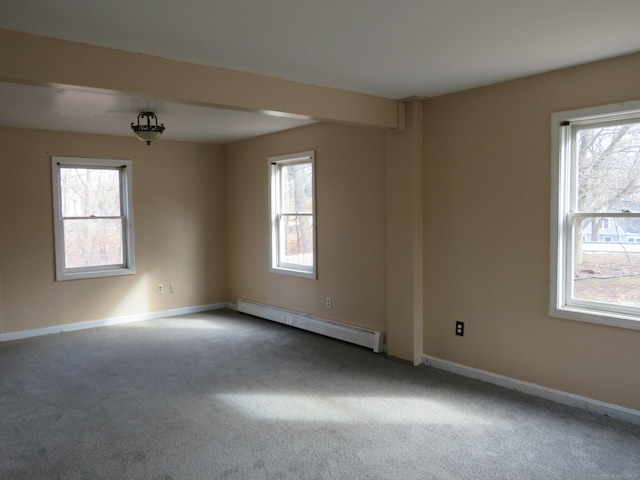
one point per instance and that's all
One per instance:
(275, 238)
(127, 267)
(563, 178)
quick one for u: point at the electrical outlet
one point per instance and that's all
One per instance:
(172, 288)
(328, 302)
(160, 288)
(460, 329)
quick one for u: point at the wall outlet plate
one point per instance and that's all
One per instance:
(460, 329)
(160, 288)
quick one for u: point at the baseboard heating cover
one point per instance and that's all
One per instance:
(359, 336)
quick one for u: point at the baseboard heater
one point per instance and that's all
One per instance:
(359, 336)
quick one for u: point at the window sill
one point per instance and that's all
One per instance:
(294, 272)
(62, 276)
(610, 319)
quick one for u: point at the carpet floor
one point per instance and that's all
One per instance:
(223, 395)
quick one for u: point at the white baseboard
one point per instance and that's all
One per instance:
(359, 336)
(5, 337)
(607, 409)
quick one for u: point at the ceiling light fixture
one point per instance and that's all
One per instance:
(147, 132)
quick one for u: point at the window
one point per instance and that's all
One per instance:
(291, 184)
(595, 273)
(93, 217)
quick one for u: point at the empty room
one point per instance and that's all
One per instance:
(353, 239)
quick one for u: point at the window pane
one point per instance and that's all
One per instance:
(86, 192)
(297, 188)
(92, 242)
(608, 168)
(606, 263)
(298, 239)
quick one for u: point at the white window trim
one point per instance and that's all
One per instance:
(274, 238)
(560, 183)
(63, 273)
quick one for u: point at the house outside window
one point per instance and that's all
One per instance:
(595, 264)
(292, 214)
(93, 217)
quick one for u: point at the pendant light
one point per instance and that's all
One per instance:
(150, 131)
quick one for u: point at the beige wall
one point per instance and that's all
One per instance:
(350, 196)
(177, 198)
(487, 200)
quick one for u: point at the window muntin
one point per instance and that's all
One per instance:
(292, 214)
(93, 217)
(596, 215)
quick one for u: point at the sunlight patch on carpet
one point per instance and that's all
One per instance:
(183, 322)
(347, 409)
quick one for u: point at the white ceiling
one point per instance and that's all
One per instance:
(388, 48)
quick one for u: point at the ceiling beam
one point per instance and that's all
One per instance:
(37, 60)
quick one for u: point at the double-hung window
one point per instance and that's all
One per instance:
(291, 185)
(595, 262)
(93, 217)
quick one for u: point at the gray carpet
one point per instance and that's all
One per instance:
(224, 395)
